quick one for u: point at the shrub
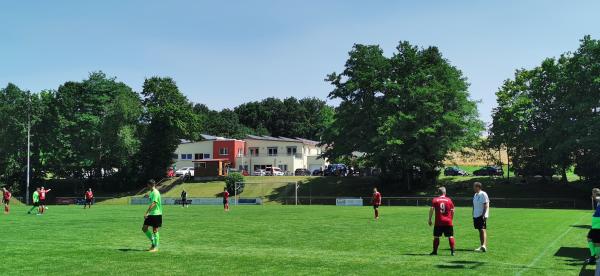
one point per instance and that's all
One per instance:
(231, 180)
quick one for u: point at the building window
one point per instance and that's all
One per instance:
(201, 165)
(186, 156)
(206, 156)
(253, 151)
(198, 156)
(272, 151)
(291, 151)
(284, 168)
(240, 153)
(223, 151)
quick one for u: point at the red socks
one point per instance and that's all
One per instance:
(436, 244)
(6, 209)
(452, 243)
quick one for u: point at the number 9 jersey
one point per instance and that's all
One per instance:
(444, 210)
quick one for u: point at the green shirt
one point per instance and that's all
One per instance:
(155, 197)
(36, 196)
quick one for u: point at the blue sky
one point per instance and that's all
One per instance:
(223, 53)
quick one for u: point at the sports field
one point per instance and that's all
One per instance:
(288, 240)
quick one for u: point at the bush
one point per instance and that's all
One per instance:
(231, 180)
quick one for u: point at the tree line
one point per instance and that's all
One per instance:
(101, 132)
(548, 117)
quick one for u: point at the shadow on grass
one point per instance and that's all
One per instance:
(582, 226)
(460, 265)
(130, 250)
(575, 256)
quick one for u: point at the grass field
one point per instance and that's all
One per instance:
(288, 240)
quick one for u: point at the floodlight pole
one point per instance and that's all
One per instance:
(28, 150)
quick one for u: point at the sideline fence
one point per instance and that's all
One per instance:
(543, 203)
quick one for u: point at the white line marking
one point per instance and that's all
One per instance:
(552, 244)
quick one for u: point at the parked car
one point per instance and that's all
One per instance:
(259, 173)
(336, 170)
(317, 172)
(274, 172)
(489, 171)
(185, 171)
(455, 171)
(302, 172)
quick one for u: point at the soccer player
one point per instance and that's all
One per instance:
(226, 199)
(42, 194)
(481, 212)
(376, 202)
(444, 213)
(89, 198)
(593, 236)
(36, 201)
(153, 217)
(6, 195)
(183, 198)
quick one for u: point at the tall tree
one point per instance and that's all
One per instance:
(169, 117)
(406, 113)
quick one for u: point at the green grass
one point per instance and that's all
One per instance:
(287, 240)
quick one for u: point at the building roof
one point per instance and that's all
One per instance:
(283, 139)
(207, 137)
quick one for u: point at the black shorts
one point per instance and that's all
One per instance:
(447, 231)
(480, 223)
(88, 200)
(375, 206)
(36, 204)
(225, 201)
(42, 201)
(594, 235)
(6, 201)
(154, 221)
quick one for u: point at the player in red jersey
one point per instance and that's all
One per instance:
(43, 192)
(376, 202)
(226, 199)
(89, 198)
(6, 198)
(444, 213)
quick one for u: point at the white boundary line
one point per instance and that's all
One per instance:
(552, 244)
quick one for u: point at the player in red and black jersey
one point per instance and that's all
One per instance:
(43, 193)
(6, 199)
(376, 202)
(226, 199)
(444, 213)
(89, 198)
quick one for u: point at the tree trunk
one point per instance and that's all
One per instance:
(564, 176)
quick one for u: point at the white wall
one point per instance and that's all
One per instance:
(192, 148)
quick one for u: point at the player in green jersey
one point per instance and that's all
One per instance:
(36, 201)
(153, 217)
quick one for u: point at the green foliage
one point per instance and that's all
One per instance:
(231, 180)
(406, 112)
(548, 117)
(169, 118)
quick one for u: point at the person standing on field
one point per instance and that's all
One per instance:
(153, 217)
(376, 202)
(481, 212)
(226, 199)
(89, 198)
(183, 198)
(593, 236)
(36, 201)
(443, 207)
(42, 194)
(6, 195)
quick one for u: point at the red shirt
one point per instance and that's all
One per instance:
(43, 194)
(444, 208)
(377, 198)
(89, 195)
(7, 195)
(226, 195)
